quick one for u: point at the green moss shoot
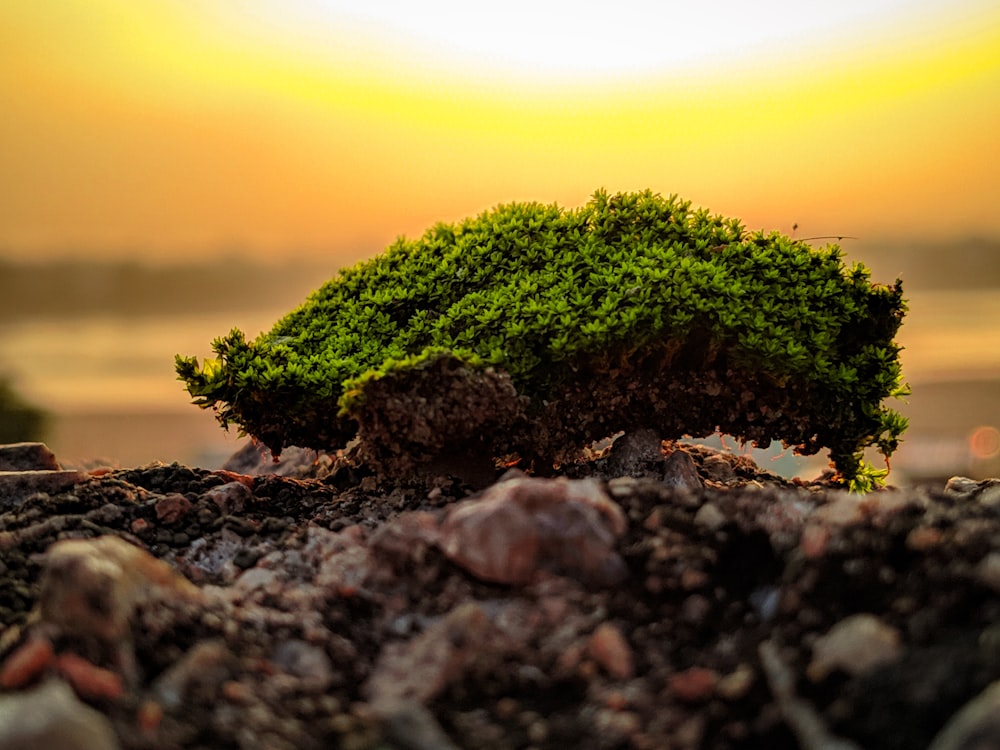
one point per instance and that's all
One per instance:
(632, 311)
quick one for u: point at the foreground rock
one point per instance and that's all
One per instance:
(699, 603)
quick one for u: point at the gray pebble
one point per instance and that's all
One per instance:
(50, 716)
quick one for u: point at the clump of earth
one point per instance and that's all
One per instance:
(654, 596)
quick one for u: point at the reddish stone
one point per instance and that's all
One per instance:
(694, 685)
(608, 647)
(26, 663)
(89, 680)
(172, 508)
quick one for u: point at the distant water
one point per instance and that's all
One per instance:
(110, 385)
(110, 382)
(952, 334)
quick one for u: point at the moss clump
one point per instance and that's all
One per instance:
(631, 312)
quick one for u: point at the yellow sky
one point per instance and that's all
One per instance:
(176, 128)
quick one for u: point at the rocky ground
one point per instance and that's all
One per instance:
(674, 598)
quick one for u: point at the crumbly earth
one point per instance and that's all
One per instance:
(680, 597)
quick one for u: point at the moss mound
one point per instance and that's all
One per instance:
(534, 330)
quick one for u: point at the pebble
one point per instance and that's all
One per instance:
(308, 662)
(976, 726)
(988, 571)
(519, 526)
(635, 454)
(736, 684)
(680, 472)
(417, 670)
(205, 664)
(90, 586)
(814, 541)
(693, 685)
(18, 486)
(27, 457)
(172, 508)
(847, 508)
(88, 680)
(718, 469)
(989, 495)
(50, 716)
(410, 725)
(495, 541)
(695, 609)
(765, 601)
(27, 662)
(622, 486)
(231, 497)
(855, 645)
(608, 647)
(961, 486)
(923, 538)
(710, 517)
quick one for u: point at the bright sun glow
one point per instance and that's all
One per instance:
(578, 37)
(327, 123)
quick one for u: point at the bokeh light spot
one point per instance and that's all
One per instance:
(984, 442)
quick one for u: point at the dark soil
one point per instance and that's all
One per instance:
(335, 608)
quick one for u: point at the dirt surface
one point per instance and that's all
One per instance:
(674, 597)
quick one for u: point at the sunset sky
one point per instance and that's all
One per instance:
(171, 128)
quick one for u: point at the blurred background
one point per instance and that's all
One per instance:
(170, 170)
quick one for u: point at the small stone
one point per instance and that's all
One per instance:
(695, 609)
(961, 486)
(636, 454)
(89, 680)
(845, 509)
(989, 495)
(494, 541)
(976, 725)
(765, 601)
(90, 586)
(17, 486)
(305, 661)
(653, 521)
(231, 497)
(693, 685)
(27, 457)
(692, 579)
(172, 508)
(923, 538)
(26, 663)
(988, 571)
(718, 469)
(710, 517)
(608, 647)
(814, 540)
(418, 670)
(736, 684)
(519, 526)
(681, 472)
(206, 664)
(621, 486)
(50, 716)
(412, 726)
(855, 645)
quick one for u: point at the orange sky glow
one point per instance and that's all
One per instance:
(170, 129)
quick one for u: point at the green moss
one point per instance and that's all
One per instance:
(633, 311)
